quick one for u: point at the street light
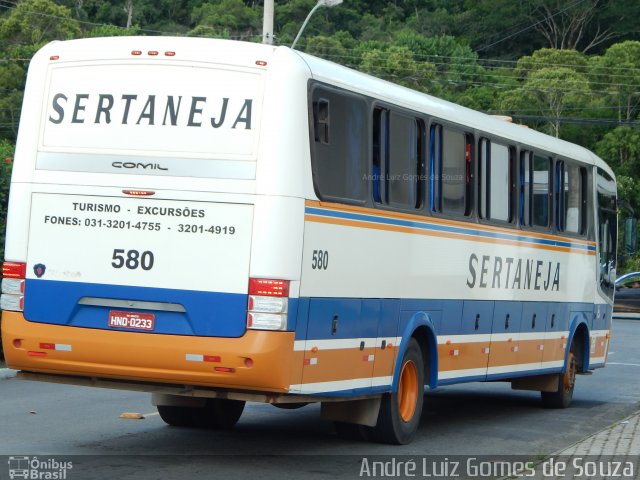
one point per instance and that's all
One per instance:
(321, 3)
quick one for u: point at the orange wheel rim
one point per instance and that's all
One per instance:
(408, 391)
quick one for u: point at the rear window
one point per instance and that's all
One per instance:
(122, 112)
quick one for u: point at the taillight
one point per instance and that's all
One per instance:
(268, 287)
(14, 270)
(268, 303)
(12, 297)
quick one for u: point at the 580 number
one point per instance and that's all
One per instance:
(132, 259)
(320, 260)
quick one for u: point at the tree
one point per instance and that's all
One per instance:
(398, 65)
(229, 16)
(567, 27)
(549, 92)
(621, 149)
(36, 22)
(618, 72)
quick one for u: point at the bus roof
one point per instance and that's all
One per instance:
(249, 54)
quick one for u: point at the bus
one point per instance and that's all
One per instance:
(217, 222)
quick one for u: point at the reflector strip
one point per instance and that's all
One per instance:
(225, 369)
(36, 354)
(196, 357)
(56, 346)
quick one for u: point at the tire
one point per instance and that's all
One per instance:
(218, 413)
(400, 411)
(563, 396)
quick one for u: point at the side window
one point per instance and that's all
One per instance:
(450, 171)
(571, 185)
(339, 145)
(607, 231)
(534, 189)
(398, 159)
(497, 184)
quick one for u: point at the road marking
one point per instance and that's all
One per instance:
(627, 364)
(145, 415)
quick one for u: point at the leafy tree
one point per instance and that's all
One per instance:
(621, 149)
(398, 65)
(228, 15)
(36, 22)
(455, 62)
(549, 92)
(618, 72)
(6, 162)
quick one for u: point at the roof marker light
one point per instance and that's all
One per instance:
(153, 53)
(54, 57)
(261, 63)
(139, 193)
(136, 52)
(169, 54)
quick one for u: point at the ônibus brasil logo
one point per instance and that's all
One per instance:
(33, 468)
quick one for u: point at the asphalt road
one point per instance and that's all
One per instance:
(48, 420)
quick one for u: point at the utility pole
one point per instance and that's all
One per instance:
(267, 23)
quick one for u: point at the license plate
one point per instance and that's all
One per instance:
(131, 320)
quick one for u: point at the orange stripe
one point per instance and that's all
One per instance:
(470, 356)
(469, 237)
(337, 364)
(440, 221)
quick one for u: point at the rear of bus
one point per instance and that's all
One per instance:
(154, 230)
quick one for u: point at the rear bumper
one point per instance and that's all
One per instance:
(171, 359)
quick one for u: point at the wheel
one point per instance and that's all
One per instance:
(562, 397)
(217, 413)
(400, 411)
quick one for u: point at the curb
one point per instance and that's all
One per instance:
(7, 373)
(610, 427)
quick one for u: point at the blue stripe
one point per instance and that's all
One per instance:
(444, 228)
(209, 314)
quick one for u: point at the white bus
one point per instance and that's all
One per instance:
(218, 222)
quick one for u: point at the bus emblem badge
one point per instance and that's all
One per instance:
(39, 269)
